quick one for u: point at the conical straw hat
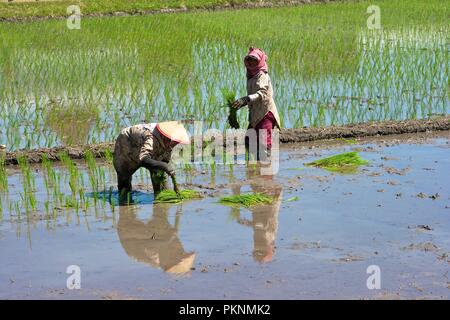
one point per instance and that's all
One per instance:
(174, 130)
(184, 265)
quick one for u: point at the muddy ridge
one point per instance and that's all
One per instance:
(218, 7)
(365, 129)
(286, 136)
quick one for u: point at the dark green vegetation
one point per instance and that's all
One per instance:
(170, 196)
(345, 163)
(246, 200)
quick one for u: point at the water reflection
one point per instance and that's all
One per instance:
(71, 122)
(264, 217)
(156, 241)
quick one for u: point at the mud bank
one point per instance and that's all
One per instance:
(286, 136)
(365, 129)
(218, 7)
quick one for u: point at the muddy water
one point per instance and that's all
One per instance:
(394, 213)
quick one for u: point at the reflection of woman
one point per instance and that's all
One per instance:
(264, 217)
(155, 242)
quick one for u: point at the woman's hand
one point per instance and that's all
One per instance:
(170, 170)
(239, 103)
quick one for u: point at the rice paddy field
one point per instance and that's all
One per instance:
(62, 86)
(310, 231)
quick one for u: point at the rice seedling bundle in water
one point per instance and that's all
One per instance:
(170, 196)
(345, 163)
(247, 200)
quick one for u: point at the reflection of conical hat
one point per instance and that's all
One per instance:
(184, 265)
(174, 130)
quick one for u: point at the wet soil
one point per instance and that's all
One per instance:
(286, 136)
(365, 129)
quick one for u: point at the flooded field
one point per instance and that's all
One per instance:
(324, 235)
(316, 240)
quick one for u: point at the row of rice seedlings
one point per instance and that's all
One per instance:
(92, 172)
(335, 58)
(77, 199)
(55, 182)
(97, 177)
(29, 185)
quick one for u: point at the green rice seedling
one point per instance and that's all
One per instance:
(170, 196)
(109, 156)
(1, 209)
(247, 200)
(3, 175)
(92, 172)
(344, 163)
(70, 203)
(17, 211)
(291, 199)
(102, 176)
(46, 167)
(32, 200)
(28, 182)
(47, 206)
(73, 173)
(212, 166)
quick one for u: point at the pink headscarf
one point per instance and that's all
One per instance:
(262, 65)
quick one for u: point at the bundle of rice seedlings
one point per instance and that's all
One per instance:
(170, 196)
(230, 97)
(345, 163)
(246, 200)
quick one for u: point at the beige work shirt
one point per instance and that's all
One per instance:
(136, 142)
(260, 92)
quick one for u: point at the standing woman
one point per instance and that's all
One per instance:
(263, 113)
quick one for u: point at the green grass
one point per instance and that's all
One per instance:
(344, 163)
(170, 196)
(246, 200)
(58, 8)
(326, 68)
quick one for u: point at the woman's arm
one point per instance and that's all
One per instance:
(152, 164)
(262, 92)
